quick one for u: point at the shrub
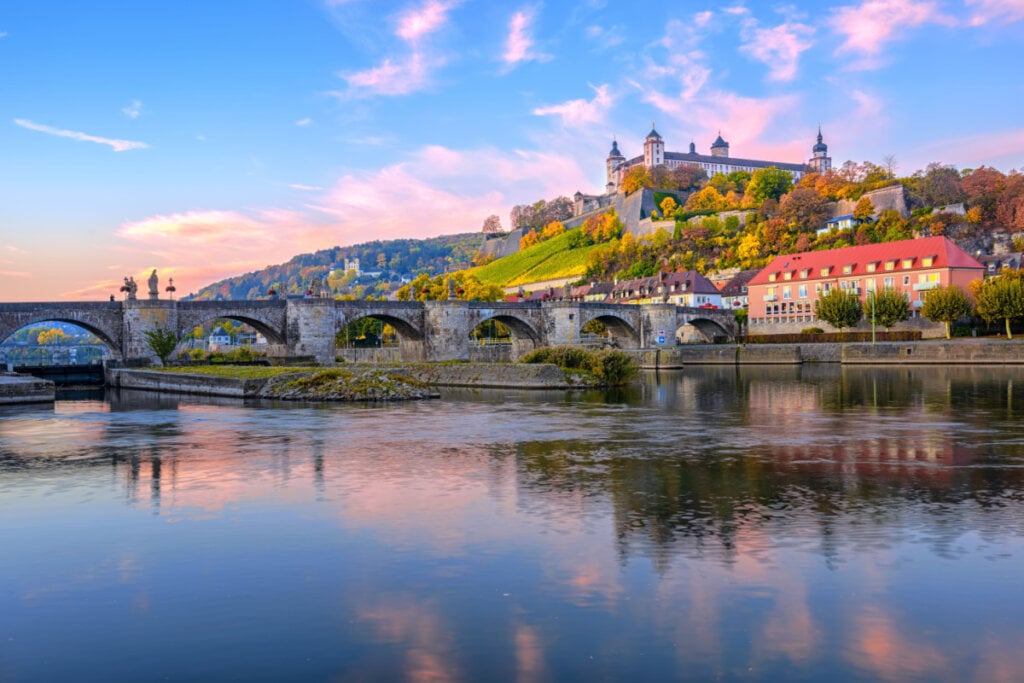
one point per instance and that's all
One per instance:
(611, 367)
(812, 330)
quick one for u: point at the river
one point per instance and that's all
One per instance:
(754, 524)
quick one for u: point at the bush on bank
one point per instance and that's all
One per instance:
(610, 367)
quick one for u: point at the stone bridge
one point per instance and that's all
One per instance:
(430, 330)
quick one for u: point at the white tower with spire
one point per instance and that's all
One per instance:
(820, 161)
(654, 149)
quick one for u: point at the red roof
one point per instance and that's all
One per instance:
(945, 253)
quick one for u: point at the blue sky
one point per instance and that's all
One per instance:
(206, 139)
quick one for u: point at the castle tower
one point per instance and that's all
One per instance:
(612, 164)
(654, 149)
(820, 162)
(693, 147)
(719, 148)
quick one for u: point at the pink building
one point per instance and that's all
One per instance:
(785, 291)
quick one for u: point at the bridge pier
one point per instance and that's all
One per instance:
(312, 324)
(657, 325)
(141, 316)
(445, 330)
(561, 323)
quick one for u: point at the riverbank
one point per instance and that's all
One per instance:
(17, 389)
(349, 382)
(936, 352)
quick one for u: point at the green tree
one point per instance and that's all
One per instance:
(888, 306)
(162, 341)
(947, 305)
(839, 308)
(1001, 298)
(769, 183)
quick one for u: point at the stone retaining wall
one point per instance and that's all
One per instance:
(15, 388)
(961, 352)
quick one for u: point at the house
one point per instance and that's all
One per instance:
(997, 263)
(785, 291)
(219, 336)
(844, 222)
(687, 288)
(734, 292)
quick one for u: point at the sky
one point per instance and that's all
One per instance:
(209, 139)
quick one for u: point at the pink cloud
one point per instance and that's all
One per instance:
(779, 48)
(115, 144)
(1002, 149)
(986, 11)
(868, 27)
(390, 78)
(429, 18)
(519, 44)
(576, 113)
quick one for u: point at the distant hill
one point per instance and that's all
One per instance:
(384, 264)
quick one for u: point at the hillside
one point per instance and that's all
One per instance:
(548, 260)
(384, 265)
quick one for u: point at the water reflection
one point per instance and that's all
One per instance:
(756, 523)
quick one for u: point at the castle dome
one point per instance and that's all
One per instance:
(820, 146)
(719, 142)
(615, 153)
(653, 134)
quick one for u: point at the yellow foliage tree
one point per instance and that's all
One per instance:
(707, 199)
(529, 239)
(552, 229)
(668, 206)
(636, 178)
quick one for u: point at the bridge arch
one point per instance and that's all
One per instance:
(710, 329)
(620, 327)
(525, 337)
(105, 324)
(410, 336)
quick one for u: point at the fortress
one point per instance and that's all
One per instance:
(718, 161)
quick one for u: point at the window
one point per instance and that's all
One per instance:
(890, 265)
(908, 262)
(804, 273)
(871, 267)
(847, 269)
(786, 293)
(802, 291)
(771, 277)
(906, 280)
(869, 284)
(889, 282)
(788, 276)
(927, 261)
(826, 270)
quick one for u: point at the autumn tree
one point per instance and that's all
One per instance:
(864, 210)
(947, 305)
(552, 229)
(492, 225)
(982, 188)
(707, 199)
(688, 177)
(1001, 298)
(668, 206)
(938, 185)
(528, 240)
(887, 307)
(804, 208)
(1010, 207)
(635, 178)
(768, 183)
(839, 308)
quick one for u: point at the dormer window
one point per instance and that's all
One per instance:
(826, 270)
(927, 261)
(847, 269)
(804, 273)
(788, 276)
(890, 265)
(872, 266)
(771, 277)
(908, 262)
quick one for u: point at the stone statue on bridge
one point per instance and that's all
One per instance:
(129, 288)
(154, 292)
